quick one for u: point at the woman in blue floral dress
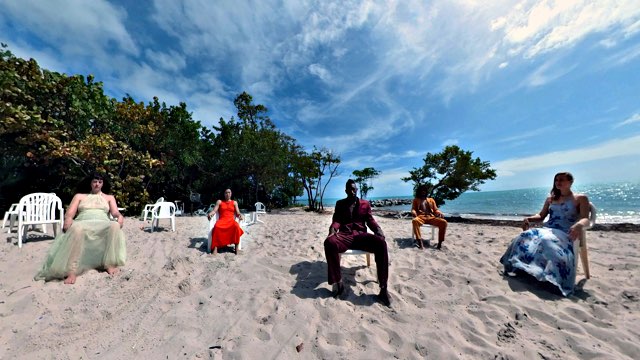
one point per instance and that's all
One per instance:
(547, 253)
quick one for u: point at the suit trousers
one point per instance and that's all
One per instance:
(440, 223)
(341, 242)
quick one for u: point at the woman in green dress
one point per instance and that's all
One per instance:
(90, 240)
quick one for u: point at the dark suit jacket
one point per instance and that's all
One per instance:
(348, 222)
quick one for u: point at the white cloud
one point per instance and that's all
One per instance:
(527, 134)
(321, 72)
(537, 27)
(171, 61)
(75, 27)
(632, 119)
(546, 73)
(623, 56)
(605, 150)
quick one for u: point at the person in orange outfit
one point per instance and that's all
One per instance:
(226, 231)
(425, 211)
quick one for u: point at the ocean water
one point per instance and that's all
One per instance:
(616, 202)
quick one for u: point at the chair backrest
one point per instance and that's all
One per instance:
(260, 208)
(13, 208)
(40, 208)
(160, 199)
(592, 214)
(164, 209)
(592, 221)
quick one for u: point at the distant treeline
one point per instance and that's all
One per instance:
(56, 129)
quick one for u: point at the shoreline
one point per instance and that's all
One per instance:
(621, 227)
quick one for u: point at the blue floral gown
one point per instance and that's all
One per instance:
(547, 252)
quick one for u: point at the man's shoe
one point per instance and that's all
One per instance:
(439, 246)
(384, 298)
(338, 289)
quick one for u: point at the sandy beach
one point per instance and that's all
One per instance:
(272, 301)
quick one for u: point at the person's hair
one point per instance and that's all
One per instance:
(555, 192)
(349, 183)
(421, 188)
(225, 190)
(97, 176)
(86, 182)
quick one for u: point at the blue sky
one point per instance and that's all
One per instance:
(534, 87)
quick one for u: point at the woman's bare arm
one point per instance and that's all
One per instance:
(72, 211)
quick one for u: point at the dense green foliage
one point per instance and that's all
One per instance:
(57, 129)
(364, 178)
(450, 173)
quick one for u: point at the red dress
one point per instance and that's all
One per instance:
(226, 231)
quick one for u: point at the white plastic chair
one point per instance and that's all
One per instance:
(179, 207)
(39, 209)
(358, 252)
(12, 216)
(427, 241)
(248, 219)
(212, 223)
(148, 209)
(260, 209)
(580, 244)
(163, 210)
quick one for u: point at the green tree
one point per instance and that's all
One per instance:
(55, 129)
(59, 128)
(364, 179)
(316, 171)
(252, 157)
(450, 173)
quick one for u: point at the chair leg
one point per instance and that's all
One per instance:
(368, 260)
(585, 261)
(13, 219)
(21, 231)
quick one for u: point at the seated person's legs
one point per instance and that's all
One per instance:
(378, 246)
(441, 224)
(416, 223)
(333, 246)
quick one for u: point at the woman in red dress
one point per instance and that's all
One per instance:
(226, 231)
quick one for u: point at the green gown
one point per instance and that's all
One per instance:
(91, 242)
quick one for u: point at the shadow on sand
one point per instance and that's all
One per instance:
(544, 289)
(311, 275)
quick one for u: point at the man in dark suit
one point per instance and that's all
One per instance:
(348, 231)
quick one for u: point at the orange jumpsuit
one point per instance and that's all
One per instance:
(427, 213)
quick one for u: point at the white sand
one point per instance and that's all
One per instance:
(173, 301)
